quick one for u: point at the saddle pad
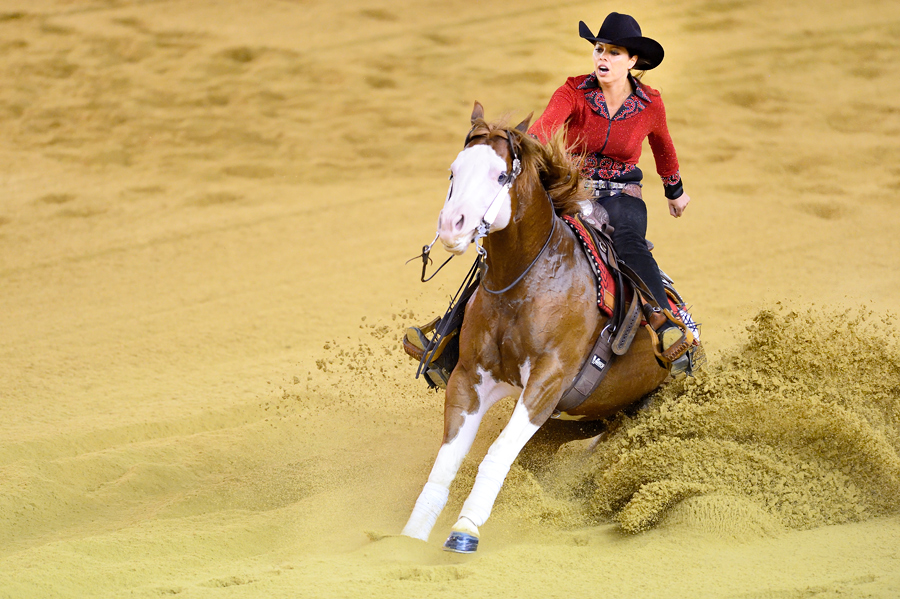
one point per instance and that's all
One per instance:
(606, 285)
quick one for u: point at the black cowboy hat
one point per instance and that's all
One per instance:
(623, 30)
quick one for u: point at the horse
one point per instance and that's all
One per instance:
(530, 324)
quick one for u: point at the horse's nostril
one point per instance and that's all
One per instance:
(459, 222)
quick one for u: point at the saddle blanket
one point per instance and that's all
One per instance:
(606, 284)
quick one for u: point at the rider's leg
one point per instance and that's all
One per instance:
(628, 216)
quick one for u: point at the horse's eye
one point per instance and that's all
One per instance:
(501, 179)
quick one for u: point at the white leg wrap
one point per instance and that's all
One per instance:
(495, 466)
(478, 505)
(428, 507)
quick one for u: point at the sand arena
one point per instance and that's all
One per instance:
(205, 213)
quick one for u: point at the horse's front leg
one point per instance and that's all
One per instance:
(464, 408)
(532, 409)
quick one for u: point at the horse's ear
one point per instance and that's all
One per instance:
(477, 112)
(523, 126)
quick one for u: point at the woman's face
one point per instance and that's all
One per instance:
(612, 63)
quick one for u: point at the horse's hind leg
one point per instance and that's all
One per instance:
(537, 455)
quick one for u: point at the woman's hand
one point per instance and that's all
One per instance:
(677, 206)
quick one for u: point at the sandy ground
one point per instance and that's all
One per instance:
(205, 213)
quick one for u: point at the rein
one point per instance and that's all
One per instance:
(525, 272)
(426, 260)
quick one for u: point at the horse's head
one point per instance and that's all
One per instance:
(480, 199)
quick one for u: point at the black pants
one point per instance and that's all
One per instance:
(628, 215)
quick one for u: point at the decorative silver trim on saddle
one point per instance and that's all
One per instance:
(595, 215)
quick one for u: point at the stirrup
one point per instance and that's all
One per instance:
(417, 344)
(416, 341)
(676, 341)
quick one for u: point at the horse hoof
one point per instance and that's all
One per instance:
(460, 542)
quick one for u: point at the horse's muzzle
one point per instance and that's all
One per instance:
(458, 246)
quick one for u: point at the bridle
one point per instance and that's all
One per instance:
(507, 179)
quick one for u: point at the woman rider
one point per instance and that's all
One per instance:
(607, 115)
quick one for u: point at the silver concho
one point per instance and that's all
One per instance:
(587, 207)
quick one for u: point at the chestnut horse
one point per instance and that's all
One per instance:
(530, 325)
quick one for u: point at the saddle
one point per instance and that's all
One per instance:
(617, 335)
(623, 297)
(616, 285)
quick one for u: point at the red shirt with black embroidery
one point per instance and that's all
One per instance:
(610, 147)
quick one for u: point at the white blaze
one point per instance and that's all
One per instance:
(476, 192)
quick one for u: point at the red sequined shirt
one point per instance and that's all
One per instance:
(611, 147)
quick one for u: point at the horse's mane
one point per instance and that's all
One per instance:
(548, 165)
